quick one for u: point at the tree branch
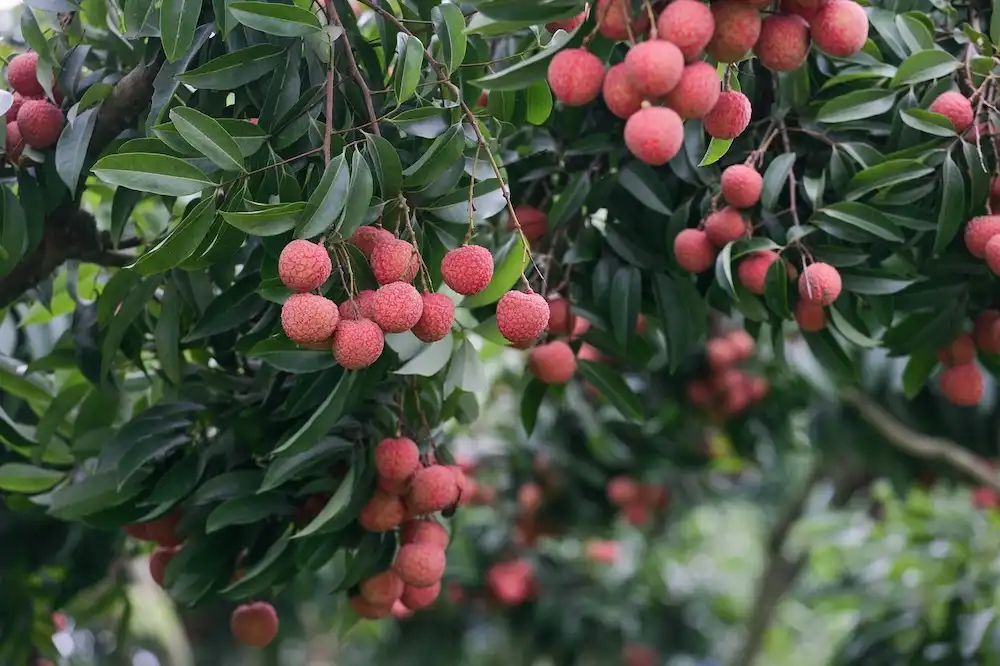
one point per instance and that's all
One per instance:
(355, 72)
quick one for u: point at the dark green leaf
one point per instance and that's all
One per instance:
(642, 182)
(925, 66)
(409, 62)
(131, 307)
(449, 26)
(388, 168)
(181, 243)
(208, 137)
(775, 178)
(146, 450)
(267, 220)
(539, 100)
(340, 503)
(304, 456)
(626, 296)
(245, 511)
(442, 154)
(326, 201)
(531, 401)
(228, 485)
(324, 417)
(156, 174)
(928, 122)
(72, 147)
(275, 18)
(235, 69)
(526, 72)
(569, 202)
(613, 387)
(359, 196)
(430, 360)
(285, 355)
(951, 214)
(886, 174)
(28, 479)
(859, 217)
(178, 22)
(857, 105)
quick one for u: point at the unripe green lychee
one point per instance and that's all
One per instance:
(575, 76)
(688, 24)
(737, 27)
(741, 186)
(697, 92)
(304, 266)
(840, 28)
(654, 67)
(820, 284)
(724, 226)
(620, 96)
(783, 43)
(962, 384)
(730, 115)
(694, 252)
(308, 318)
(956, 107)
(254, 624)
(654, 135)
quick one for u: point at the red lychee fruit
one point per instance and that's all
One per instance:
(737, 27)
(308, 318)
(436, 318)
(721, 353)
(397, 488)
(357, 344)
(962, 350)
(752, 271)
(468, 269)
(420, 564)
(688, 24)
(984, 498)
(40, 123)
(529, 498)
(164, 530)
(136, 531)
(397, 307)
(622, 490)
(417, 598)
(654, 134)
(382, 513)
(724, 226)
(783, 43)
(741, 186)
(22, 73)
(158, 562)
(979, 231)
(743, 343)
(367, 237)
(620, 96)
(521, 317)
(561, 319)
(14, 143)
(361, 306)
(395, 261)
(254, 624)
(730, 115)
(613, 20)
(382, 589)
(483, 99)
(993, 254)
(994, 199)
(654, 67)
(590, 353)
(512, 583)
(396, 458)
(580, 327)
(820, 283)
(552, 362)
(694, 252)
(304, 266)
(368, 610)
(570, 24)
(807, 9)
(840, 28)
(698, 393)
(534, 223)
(697, 92)
(425, 531)
(986, 331)
(637, 654)
(636, 514)
(575, 76)
(400, 611)
(15, 106)
(962, 384)
(432, 489)
(603, 551)
(956, 107)
(810, 316)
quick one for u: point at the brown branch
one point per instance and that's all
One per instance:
(352, 63)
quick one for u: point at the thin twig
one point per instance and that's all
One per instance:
(472, 191)
(355, 72)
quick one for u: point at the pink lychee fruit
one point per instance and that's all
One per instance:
(737, 27)
(357, 343)
(367, 237)
(561, 318)
(254, 624)
(687, 23)
(956, 107)
(840, 28)
(433, 488)
(360, 306)
(697, 92)
(962, 350)
(420, 564)
(962, 384)
(694, 252)
(783, 43)
(575, 76)
(40, 123)
(436, 317)
(521, 317)
(979, 231)
(424, 531)
(382, 513)
(468, 269)
(752, 271)
(820, 284)
(22, 73)
(741, 186)
(396, 458)
(993, 254)
(807, 9)
(724, 226)
(534, 223)
(368, 610)
(613, 20)
(13, 143)
(654, 134)
(382, 589)
(811, 317)
(730, 115)
(552, 362)
(986, 331)
(570, 24)
(654, 67)
(620, 96)
(397, 307)
(308, 318)
(417, 598)
(395, 261)
(304, 266)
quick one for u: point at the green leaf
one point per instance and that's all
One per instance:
(146, 450)
(951, 214)
(264, 573)
(181, 243)
(717, 149)
(227, 485)
(235, 69)
(388, 168)
(925, 66)
(613, 387)
(927, 122)
(232, 308)
(626, 296)
(860, 217)
(359, 196)
(775, 178)
(539, 99)
(285, 355)
(569, 202)
(72, 147)
(466, 372)
(857, 105)
(341, 502)
(305, 456)
(409, 62)
(167, 334)
(683, 314)
(487, 201)
(427, 122)
(531, 401)
(208, 137)
(724, 270)
(178, 22)
(886, 174)
(246, 510)
(268, 220)
(149, 172)
(526, 72)
(326, 201)
(13, 233)
(60, 407)
(325, 416)
(28, 479)
(643, 183)
(995, 22)
(449, 26)
(276, 18)
(831, 355)
(178, 482)
(509, 264)
(430, 360)
(90, 495)
(131, 307)
(442, 154)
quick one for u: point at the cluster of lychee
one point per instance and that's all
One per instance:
(637, 501)
(32, 120)
(727, 390)
(961, 381)
(663, 81)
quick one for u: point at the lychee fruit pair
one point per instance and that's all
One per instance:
(254, 624)
(961, 351)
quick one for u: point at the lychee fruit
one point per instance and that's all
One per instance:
(575, 76)
(521, 317)
(811, 317)
(613, 18)
(561, 319)
(529, 498)
(361, 306)
(602, 551)
(620, 96)
(15, 106)
(395, 261)
(688, 24)
(382, 513)
(986, 331)
(397, 488)
(752, 271)
(962, 384)
(158, 562)
(164, 530)
(742, 342)
(654, 134)
(783, 43)
(954, 106)
(636, 514)
(654, 67)
(993, 254)
(622, 490)
(254, 624)
(724, 226)
(368, 610)
(432, 489)
(420, 564)
(697, 92)
(308, 318)
(737, 27)
(807, 9)
(840, 28)
(741, 186)
(534, 223)
(436, 318)
(638, 654)
(425, 531)
(396, 458)
(358, 343)
(382, 589)
(694, 252)
(730, 115)
(552, 362)
(417, 598)
(979, 231)
(14, 143)
(40, 123)
(22, 73)
(962, 350)
(136, 531)
(820, 283)
(397, 307)
(994, 199)
(721, 353)
(367, 237)
(304, 266)
(468, 269)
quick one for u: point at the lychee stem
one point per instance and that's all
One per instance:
(423, 420)
(472, 206)
(652, 20)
